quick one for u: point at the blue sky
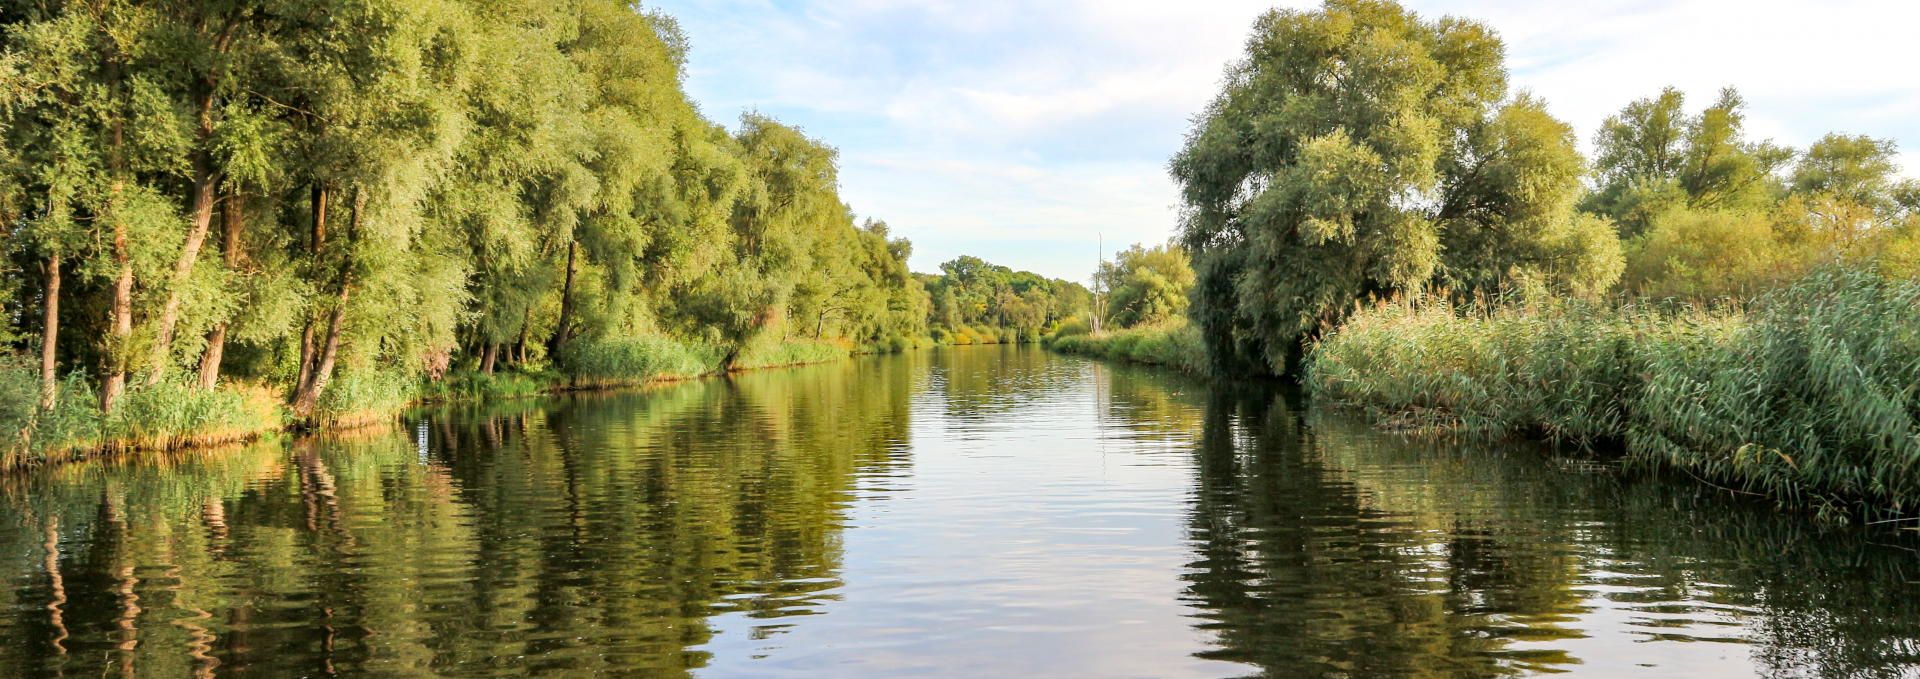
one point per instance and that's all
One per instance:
(1024, 131)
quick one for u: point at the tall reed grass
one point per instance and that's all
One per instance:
(1174, 344)
(773, 353)
(635, 360)
(1807, 395)
(150, 417)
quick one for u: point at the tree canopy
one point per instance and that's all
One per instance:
(1360, 150)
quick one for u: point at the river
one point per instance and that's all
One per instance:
(964, 512)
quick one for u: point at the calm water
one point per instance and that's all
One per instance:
(975, 512)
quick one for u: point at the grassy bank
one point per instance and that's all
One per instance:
(1173, 344)
(1805, 395)
(172, 415)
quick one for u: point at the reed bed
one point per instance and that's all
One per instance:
(1174, 344)
(636, 360)
(1806, 395)
(775, 353)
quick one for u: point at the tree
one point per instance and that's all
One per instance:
(1359, 150)
(1652, 158)
(1147, 285)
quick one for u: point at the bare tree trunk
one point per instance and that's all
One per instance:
(49, 381)
(306, 399)
(231, 222)
(204, 181)
(487, 357)
(564, 331)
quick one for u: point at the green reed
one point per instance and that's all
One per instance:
(1806, 395)
(634, 360)
(1175, 344)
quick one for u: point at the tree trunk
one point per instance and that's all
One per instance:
(563, 333)
(306, 399)
(120, 333)
(49, 381)
(317, 200)
(518, 353)
(487, 357)
(204, 181)
(231, 222)
(306, 359)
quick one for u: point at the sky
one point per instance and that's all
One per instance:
(1031, 133)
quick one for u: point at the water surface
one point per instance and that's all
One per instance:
(967, 512)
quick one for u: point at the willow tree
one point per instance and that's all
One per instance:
(1360, 150)
(1653, 158)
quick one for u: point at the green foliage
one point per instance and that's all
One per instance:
(1175, 344)
(635, 360)
(1362, 150)
(361, 396)
(170, 414)
(975, 302)
(479, 386)
(1653, 158)
(1804, 396)
(1565, 367)
(439, 198)
(1146, 286)
(769, 354)
(1811, 400)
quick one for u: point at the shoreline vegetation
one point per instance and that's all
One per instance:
(221, 220)
(1370, 209)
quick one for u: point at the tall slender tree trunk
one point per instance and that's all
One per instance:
(232, 218)
(204, 181)
(306, 399)
(120, 335)
(49, 381)
(487, 357)
(564, 332)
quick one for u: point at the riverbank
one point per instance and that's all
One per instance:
(1804, 395)
(171, 415)
(1175, 345)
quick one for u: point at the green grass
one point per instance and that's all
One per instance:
(1807, 394)
(1175, 345)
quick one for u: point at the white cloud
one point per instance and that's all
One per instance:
(1017, 129)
